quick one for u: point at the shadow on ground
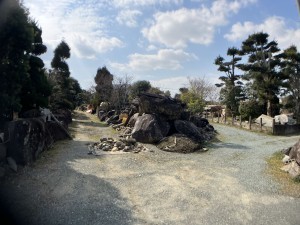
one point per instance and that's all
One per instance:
(51, 192)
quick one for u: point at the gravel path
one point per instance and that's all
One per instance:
(226, 185)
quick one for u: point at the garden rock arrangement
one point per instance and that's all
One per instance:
(113, 146)
(161, 120)
(292, 161)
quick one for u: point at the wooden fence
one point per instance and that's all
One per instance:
(275, 129)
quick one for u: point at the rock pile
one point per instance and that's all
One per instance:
(161, 120)
(292, 160)
(111, 145)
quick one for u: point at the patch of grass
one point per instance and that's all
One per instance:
(289, 186)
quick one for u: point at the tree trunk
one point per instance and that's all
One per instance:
(269, 108)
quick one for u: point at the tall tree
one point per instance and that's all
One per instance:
(263, 70)
(104, 85)
(16, 37)
(36, 88)
(59, 76)
(231, 92)
(291, 68)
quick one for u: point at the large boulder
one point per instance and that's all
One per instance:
(167, 107)
(132, 120)
(29, 137)
(179, 143)
(150, 129)
(199, 121)
(189, 129)
(294, 152)
(26, 140)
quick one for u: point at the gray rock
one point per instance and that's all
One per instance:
(293, 169)
(295, 152)
(167, 107)
(189, 129)
(150, 129)
(132, 120)
(179, 143)
(199, 122)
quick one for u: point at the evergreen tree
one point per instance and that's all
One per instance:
(231, 92)
(16, 37)
(36, 88)
(291, 68)
(263, 70)
(59, 76)
(104, 85)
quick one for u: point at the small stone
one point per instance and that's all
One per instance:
(127, 149)
(118, 143)
(106, 148)
(130, 140)
(103, 139)
(114, 149)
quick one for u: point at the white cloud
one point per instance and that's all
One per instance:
(172, 84)
(77, 22)
(276, 27)
(131, 3)
(168, 59)
(128, 17)
(177, 28)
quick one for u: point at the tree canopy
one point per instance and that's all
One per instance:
(23, 84)
(263, 70)
(231, 92)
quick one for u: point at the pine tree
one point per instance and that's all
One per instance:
(36, 88)
(231, 92)
(291, 68)
(16, 36)
(263, 70)
(61, 97)
(104, 85)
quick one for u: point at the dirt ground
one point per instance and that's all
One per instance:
(225, 185)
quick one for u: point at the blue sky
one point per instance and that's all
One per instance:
(163, 41)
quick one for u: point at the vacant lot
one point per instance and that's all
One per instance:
(226, 185)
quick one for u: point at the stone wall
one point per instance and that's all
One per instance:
(27, 138)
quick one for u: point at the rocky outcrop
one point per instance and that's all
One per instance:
(169, 108)
(150, 129)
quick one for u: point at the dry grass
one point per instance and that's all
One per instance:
(288, 185)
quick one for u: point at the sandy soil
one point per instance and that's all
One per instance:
(226, 185)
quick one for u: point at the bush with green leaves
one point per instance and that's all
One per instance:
(250, 108)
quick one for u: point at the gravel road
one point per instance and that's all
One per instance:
(226, 185)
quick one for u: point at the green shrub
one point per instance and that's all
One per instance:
(250, 108)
